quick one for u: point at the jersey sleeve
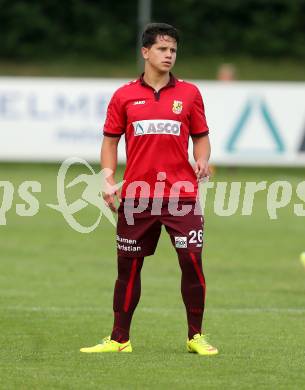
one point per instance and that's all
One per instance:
(115, 123)
(198, 123)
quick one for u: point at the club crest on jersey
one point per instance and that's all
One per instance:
(177, 106)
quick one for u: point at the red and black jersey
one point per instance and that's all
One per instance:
(157, 127)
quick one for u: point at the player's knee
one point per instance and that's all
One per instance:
(128, 266)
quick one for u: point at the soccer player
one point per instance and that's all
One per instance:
(158, 114)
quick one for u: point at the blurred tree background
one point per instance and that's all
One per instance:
(105, 31)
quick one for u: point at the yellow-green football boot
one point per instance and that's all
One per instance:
(108, 345)
(199, 344)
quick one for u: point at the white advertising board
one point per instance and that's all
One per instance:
(50, 119)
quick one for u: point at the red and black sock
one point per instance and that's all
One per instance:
(127, 292)
(192, 289)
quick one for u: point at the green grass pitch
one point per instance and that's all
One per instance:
(56, 296)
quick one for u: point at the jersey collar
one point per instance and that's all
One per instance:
(171, 82)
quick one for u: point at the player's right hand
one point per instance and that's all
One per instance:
(111, 194)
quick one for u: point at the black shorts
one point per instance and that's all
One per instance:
(140, 239)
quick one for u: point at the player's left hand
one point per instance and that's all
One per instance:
(202, 169)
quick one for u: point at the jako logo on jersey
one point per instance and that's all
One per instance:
(177, 106)
(139, 102)
(156, 126)
(180, 242)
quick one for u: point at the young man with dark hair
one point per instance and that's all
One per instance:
(157, 113)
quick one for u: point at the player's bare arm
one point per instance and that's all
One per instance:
(201, 152)
(109, 159)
